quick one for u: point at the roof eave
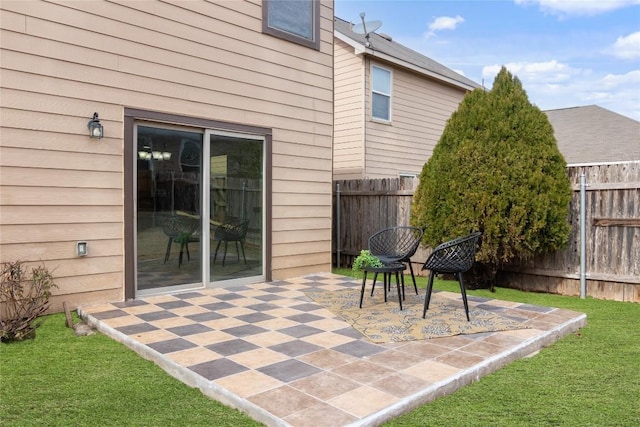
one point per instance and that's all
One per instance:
(360, 49)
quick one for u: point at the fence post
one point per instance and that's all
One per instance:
(583, 236)
(338, 243)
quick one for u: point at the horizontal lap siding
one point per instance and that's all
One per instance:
(62, 62)
(420, 109)
(349, 112)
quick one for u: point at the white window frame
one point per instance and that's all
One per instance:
(388, 95)
(280, 31)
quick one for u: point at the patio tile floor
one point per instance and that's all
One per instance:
(270, 351)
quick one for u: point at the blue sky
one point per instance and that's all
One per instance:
(566, 53)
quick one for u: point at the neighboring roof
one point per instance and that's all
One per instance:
(384, 48)
(593, 134)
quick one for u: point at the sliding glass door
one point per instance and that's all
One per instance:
(199, 208)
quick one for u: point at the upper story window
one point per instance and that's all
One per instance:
(380, 93)
(295, 20)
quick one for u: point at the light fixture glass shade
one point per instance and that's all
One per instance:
(96, 131)
(157, 155)
(166, 155)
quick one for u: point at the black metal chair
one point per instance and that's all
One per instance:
(452, 257)
(183, 230)
(396, 244)
(232, 231)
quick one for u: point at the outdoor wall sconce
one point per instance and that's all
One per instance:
(96, 131)
(82, 249)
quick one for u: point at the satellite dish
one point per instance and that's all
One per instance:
(366, 27)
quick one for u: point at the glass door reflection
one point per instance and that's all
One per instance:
(168, 206)
(236, 213)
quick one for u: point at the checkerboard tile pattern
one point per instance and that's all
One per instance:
(288, 361)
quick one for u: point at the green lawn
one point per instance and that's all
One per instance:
(591, 378)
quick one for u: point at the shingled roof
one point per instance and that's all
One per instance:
(593, 134)
(383, 47)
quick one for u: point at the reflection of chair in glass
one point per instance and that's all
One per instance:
(452, 257)
(183, 230)
(231, 231)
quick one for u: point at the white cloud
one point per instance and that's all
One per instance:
(549, 72)
(578, 7)
(627, 47)
(552, 85)
(444, 23)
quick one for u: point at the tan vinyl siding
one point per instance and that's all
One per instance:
(420, 108)
(61, 62)
(348, 144)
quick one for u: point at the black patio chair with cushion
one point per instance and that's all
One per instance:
(183, 230)
(452, 257)
(231, 231)
(396, 244)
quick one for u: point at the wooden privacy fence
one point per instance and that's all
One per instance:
(362, 207)
(612, 261)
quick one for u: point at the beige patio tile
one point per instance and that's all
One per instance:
(154, 336)
(117, 322)
(327, 339)
(324, 385)
(353, 403)
(258, 358)
(363, 371)
(276, 323)
(193, 356)
(459, 359)
(208, 338)
(320, 415)
(483, 349)
(248, 383)
(327, 359)
(283, 401)
(171, 322)
(401, 385)
(267, 339)
(432, 371)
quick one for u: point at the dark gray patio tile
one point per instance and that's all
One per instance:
(173, 304)
(215, 306)
(289, 370)
(307, 306)
(492, 308)
(349, 332)
(536, 308)
(171, 346)
(229, 297)
(254, 317)
(217, 368)
(189, 295)
(183, 331)
(268, 297)
(300, 331)
(358, 349)
(130, 303)
(305, 317)
(205, 317)
(263, 307)
(295, 348)
(478, 299)
(274, 289)
(244, 330)
(155, 315)
(110, 314)
(138, 328)
(228, 348)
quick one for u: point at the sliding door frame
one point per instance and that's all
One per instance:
(131, 116)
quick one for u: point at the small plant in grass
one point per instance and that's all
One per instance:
(23, 298)
(365, 259)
